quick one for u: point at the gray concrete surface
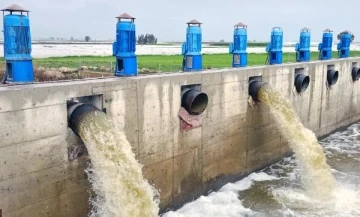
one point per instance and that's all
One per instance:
(42, 161)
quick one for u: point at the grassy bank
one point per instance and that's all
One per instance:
(158, 63)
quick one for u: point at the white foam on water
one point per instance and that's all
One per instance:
(224, 203)
(345, 202)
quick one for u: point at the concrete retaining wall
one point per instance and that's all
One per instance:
(42, 162)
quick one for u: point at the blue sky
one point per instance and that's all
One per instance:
(166, 18)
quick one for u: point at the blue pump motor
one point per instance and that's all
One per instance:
(274, 48)
(303, 47)
(239, 46)
(191, 49)
(17, 45)
(325, 47)
(125, 46)
(343, 47)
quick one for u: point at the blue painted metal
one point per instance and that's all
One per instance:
(274, 48)
(344, 46)
(191, 49)
(239, 46)
(17, 45)
(325, 47)
(303, 47)
(125, 46)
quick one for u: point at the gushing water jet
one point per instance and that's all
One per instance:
(254, 87)
(115, 174)
(317, 178)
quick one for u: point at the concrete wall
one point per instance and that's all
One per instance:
(42, 162)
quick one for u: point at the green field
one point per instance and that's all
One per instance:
(158, 63)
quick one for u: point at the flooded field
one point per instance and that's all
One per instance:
(59, 50)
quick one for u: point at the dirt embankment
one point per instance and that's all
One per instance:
(42, 74)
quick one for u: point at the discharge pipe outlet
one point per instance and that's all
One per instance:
(194, 101)
(355, 73)
(76, 112)
(254, 87)
(301, 82)
(332, 76)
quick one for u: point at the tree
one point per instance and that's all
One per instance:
(87, 38)
(147, 39)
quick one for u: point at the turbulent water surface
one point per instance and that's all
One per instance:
(321, 179)
(278, 189)
(115, 175)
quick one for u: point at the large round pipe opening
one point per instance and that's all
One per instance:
(76, 111)
(301, 82)
(332, 76)
(194, 101)
(254, 87)
(355, 73)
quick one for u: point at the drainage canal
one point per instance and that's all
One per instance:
(300, 185)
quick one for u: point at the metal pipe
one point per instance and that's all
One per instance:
(76, 112)
(301, 82)
(254, 87)
(355, 73)
(332, 76)
(194, 101)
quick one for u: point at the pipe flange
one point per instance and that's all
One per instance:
(355, 73)
(254, 87)
(332, 76)
(194, 101)
(301, 82)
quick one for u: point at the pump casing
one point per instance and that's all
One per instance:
(191, 49)
(239, 46)
(343, 46)
(325, 47)
(125, 46)
(274, 48)
(303, 47)
(17, 46)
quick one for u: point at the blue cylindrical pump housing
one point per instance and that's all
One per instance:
(125, 46)
(274, 48)
(343, 46)
(239, 46)
(17, 45)
(303, 47)
(191, 49)
(325, 47)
